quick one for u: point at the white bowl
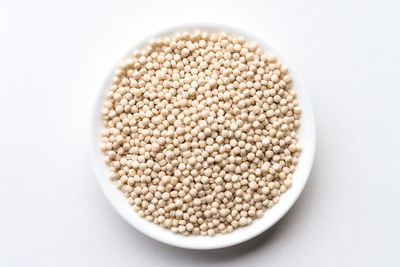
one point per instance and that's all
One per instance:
(307, 139)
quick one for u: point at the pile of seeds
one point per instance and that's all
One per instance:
(200, 132)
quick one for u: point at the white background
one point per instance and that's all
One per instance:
(54, 57)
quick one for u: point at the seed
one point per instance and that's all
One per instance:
(200, 132)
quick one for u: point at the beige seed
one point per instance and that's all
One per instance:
(200, 132)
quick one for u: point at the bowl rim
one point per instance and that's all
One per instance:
(205, 242)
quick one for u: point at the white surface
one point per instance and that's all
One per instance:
(54, 57)
(307, 139)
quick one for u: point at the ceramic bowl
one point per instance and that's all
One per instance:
(307, 139)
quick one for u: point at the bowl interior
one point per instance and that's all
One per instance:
(306, 134)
